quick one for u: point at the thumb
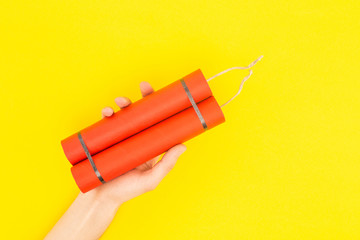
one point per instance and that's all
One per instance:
(164, 166)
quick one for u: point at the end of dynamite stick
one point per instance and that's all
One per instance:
(68, 144)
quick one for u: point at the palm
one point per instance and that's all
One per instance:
(130, 184)
(146, 176)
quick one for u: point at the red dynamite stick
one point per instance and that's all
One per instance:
(147, 144)
(138, 116)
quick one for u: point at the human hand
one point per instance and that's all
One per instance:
(92, 212)
(143, 178)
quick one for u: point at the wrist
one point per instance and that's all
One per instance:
(100, 200)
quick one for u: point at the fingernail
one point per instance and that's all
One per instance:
(121, 99)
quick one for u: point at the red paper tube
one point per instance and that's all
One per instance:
(147, 144)
(138, 116)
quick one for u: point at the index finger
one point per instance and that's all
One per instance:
(146, 88)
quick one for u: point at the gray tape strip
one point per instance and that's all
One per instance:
(88, 155)
(193, 103)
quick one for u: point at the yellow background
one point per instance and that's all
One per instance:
(285, 165)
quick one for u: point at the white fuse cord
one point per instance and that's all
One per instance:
(243, 80)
